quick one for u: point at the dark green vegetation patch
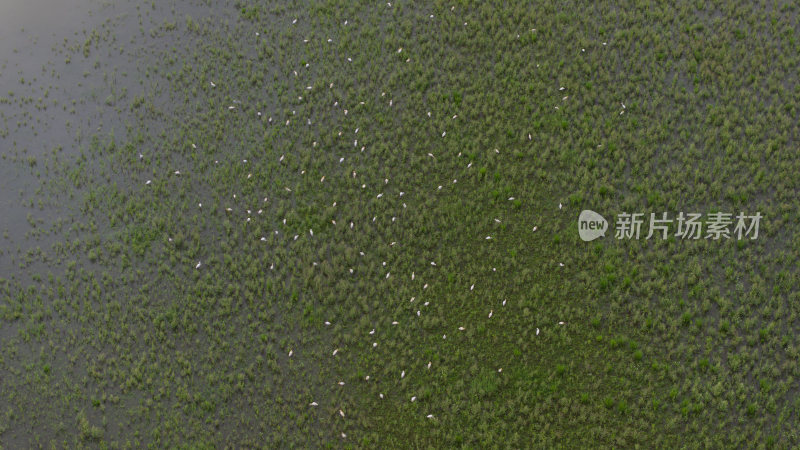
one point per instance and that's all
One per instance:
(237, 194)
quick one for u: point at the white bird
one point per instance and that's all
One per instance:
(177, 172)
(341, 413)
(373, 331)
(212, 84)
(472, 287)
(488, 237)
(504, 303)
(312, 404)
(535, 228)
(387, 275)
(380, 395)
(327, 323)
(490, 314)
(559, 205)
(341, 383)
(412, 275)
(433, 263)
(344, 436)
(461, 328)
(374, 344)
(147, 182)
(310, 231)
(290, 353)
(537, 331)
(443, 133)
(561, 323)
(429, 364)
(413, 398)
(198, 265)
(403, 374)
(334, 352)
(444, 336)
(561, 264)
(395, 322)
(511, 198)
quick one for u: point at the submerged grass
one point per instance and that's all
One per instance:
(283, 179)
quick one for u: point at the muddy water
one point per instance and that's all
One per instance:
(52, 100)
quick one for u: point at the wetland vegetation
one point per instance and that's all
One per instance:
(348, 224)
